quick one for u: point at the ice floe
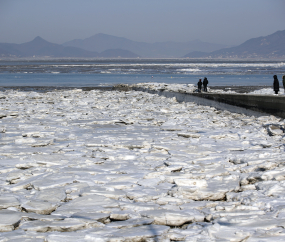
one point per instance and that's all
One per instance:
(132, 166)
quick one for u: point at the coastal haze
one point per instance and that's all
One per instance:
(104, 46)
(102, 42)
(107, 46)
(160, 29)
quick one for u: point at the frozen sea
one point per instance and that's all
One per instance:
(79, 73)
(114, 166)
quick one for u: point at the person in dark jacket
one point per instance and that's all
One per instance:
(205, 83)
(275, 84)
(283, 81)
(199, 85)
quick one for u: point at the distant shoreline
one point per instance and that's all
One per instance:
(139, 58)
(237, 89)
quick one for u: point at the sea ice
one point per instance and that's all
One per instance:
(9, 220)
(132, 166)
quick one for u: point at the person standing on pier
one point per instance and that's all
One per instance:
(275, 84)
(205, 83)
(283, 80)
(199, 85)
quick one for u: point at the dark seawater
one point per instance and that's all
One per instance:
(92, 73)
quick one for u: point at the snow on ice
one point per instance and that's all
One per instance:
(132, 166)
(193, 88)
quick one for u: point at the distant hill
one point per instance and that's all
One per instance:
(271, 46)
(42, 48)
(101, 42)
(39, 47)
(108, 46)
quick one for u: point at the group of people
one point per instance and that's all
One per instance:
(204, 83)
(276, 84)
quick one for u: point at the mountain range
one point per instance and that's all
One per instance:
(271, 47)
(39, 47)
(101, 42)
(108, 46)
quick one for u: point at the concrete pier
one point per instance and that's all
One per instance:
(271, 104)
(248, 104)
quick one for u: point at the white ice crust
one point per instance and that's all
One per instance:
(132, 166)
(189, 88)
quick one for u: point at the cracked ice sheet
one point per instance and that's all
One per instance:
(134, 166)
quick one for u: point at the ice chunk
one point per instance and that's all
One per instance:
(168, 217)
(119, 215)
(67, 225)
(216, 189)
(141, 233)
(130, 223)
(9, 220)
(39, 207)
(190, 182)
(113, 194)
(53, 195)
(100, 217)
(53, 180)
(7, 201)
(89, 203)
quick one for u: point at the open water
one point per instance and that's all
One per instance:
(104, 72)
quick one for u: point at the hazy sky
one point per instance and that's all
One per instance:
(217, 21)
